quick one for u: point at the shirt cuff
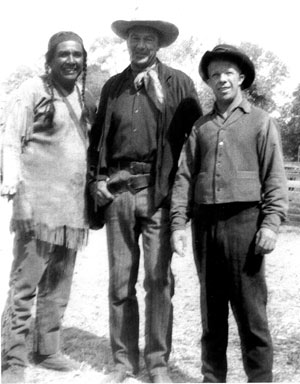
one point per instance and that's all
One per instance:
(271, 221)
(178, 223)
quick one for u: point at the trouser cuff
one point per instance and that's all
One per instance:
(48, 344)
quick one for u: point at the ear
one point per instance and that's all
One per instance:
(241, 79)
(209, 82)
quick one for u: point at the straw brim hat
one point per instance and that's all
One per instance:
(232, 54)
(167, 32)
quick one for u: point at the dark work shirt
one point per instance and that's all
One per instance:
(238, 159)
(133, 133)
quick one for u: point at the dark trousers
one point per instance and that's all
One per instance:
(230, 272)
(45, 271)
(129, 217)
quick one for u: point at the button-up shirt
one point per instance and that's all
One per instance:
(133, 132)
(237, 159)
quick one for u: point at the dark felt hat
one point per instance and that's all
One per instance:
(232, 54)
(167, 32)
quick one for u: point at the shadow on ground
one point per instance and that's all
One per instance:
(86, 347)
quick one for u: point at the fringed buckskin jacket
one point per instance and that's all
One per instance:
(45, 162)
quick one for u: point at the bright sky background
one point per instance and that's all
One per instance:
(26, 25)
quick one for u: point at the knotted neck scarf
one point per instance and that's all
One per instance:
(149, 78)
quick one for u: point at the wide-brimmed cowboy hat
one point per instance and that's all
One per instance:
(167, 32)
(232, 54)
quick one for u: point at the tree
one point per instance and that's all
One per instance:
(95, 80)
(270, 73)
(16, 78)
(290, 127)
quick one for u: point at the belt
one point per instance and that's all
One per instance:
(134, 167)
(133, 183)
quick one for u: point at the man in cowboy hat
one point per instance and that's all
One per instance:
(145, 114)
(44, 172)
(231, 181)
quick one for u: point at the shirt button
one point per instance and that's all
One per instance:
(221, 143)
(136, 111)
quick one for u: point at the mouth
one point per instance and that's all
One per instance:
(70, 70)
(224, 89)
(140, 55)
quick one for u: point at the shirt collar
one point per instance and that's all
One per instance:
(244, 105)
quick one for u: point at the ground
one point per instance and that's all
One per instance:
(85, 327)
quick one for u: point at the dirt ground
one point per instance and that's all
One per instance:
(85, 332)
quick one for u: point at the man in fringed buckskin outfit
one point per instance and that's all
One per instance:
(145, 114)
(44, 172)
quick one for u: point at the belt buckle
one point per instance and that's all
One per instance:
(132, 167)
(130, 187)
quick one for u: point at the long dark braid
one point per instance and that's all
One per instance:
(49, 115)
(85, 109)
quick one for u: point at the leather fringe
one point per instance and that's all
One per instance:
(74, 238)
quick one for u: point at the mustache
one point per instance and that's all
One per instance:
(73, 66)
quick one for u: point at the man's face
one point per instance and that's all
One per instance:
(225, 79)
(143, 44)
(67, 62)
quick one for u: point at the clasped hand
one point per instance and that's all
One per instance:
(103, 195)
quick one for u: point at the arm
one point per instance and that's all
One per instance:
(183, 188)
(18, 123)
(97, 178)
(274, 187)
(17, 126)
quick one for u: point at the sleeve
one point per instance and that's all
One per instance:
(183, 188)
(188, 111)
(91, 106)
(273, 178)
(96, 135)
(17, 125)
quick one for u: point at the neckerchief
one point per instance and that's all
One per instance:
(149, 78)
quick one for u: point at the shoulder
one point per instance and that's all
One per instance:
(203, 120)
(29, 92)
(261, 118)
(115, 80)
(173, 73)
(253, 111)
(32, 85)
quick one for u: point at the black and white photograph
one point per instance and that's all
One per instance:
(150, 191)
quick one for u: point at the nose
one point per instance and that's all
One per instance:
(141, 43)
(222, 77)
(71, 58)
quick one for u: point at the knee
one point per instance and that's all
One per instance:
(159, 282)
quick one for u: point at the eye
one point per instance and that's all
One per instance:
(78, 54)
(63, 54)
(134, 38)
